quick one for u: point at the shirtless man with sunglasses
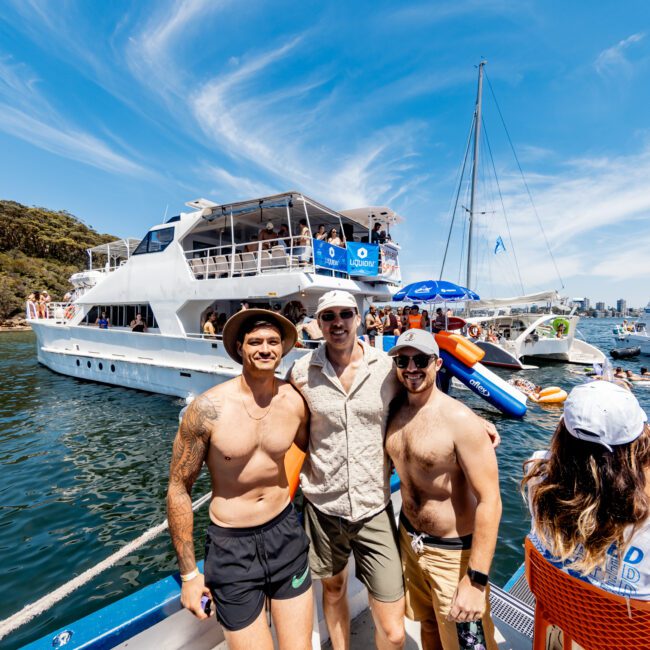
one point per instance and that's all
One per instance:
(451, 505)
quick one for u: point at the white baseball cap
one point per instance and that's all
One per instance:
(604, 413)
(335, 298)
(421, 340)
(269, 225)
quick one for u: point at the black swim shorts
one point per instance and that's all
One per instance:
(244, 566)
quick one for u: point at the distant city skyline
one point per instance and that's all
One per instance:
(121, 112)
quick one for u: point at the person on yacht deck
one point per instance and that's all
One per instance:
(375, 237)
(333, 238)
(256, 551)
(103, 322)
(221, 323)
(267, 234)
(283, 236)
(30, 307)
(440, 321)
(137, 324)
(209, 329)
(321, 233)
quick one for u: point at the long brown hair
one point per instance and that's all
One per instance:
(584, 495)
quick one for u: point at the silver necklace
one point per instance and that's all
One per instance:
(268, 410)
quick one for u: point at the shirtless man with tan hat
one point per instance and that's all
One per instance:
(255, 551)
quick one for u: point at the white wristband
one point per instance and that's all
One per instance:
(190, 576)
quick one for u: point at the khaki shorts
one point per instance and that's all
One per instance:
(372, 541)
(430, 580)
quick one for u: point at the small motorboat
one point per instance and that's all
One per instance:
(625, 353)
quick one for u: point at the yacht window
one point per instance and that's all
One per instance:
(122, 315)
(155, 241)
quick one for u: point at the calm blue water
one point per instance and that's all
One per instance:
(83, 470)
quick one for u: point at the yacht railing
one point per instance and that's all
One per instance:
(60, 311)
(279, 255)
(282, 254)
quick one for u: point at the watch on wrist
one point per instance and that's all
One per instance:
(477, 577)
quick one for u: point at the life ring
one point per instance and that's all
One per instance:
(69, 312)
(564, 323)
(474, 331)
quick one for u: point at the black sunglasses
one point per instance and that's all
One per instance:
(346, 314)
(420, 360)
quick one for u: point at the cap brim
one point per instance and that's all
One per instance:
(234, 324)
(425, 349)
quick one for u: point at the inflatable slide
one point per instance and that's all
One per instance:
(462, 358)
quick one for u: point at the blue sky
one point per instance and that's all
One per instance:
(119, 112)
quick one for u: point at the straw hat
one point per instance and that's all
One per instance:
(246, 317)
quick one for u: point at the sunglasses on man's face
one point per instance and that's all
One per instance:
(329, 316)
(420, 360)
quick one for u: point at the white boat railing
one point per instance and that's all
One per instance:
(282, 254)
(60, 311)
(278, 255)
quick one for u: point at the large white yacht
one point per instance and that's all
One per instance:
(212, 258)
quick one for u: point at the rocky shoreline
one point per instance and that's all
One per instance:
(15, 324)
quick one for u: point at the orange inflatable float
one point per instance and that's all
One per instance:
(460, 347)
(293, 461)
(550, 395)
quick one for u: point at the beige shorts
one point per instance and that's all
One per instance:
(373, 542)
(430, 581)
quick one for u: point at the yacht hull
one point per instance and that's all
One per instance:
(635, 340)
(168, 365)
(497, 356)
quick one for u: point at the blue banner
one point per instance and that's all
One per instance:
(330, 257)
(363, 259)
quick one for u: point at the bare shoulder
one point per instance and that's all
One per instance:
(205, 410)
(291, 398)
(462, 421)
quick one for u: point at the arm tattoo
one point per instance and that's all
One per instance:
(188, 454)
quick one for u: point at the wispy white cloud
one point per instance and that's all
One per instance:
(231, 187)
(154, 53)
(614, 59)
(595, 214)
(277, 133)
(425, 14)
(26, 114)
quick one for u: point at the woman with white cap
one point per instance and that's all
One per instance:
(589, 495)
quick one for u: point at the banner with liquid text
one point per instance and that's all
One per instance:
(328, 256)
(363, 259)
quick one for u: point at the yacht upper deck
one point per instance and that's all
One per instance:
(290, 233)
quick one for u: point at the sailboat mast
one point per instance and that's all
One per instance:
(477, 138)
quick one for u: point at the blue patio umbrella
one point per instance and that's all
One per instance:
(434, 291)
